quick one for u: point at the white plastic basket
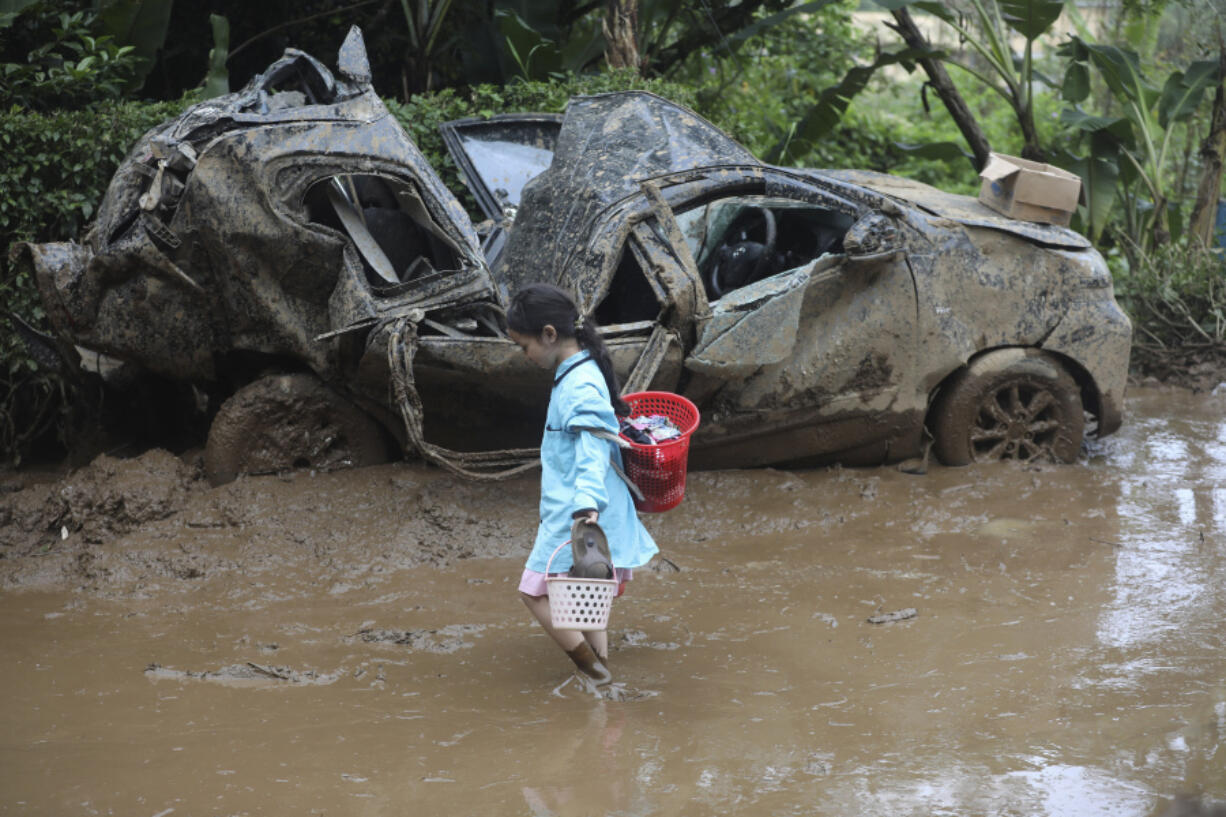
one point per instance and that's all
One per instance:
(578, 604)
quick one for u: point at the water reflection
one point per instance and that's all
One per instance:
(1077, 791)
(1171, 501)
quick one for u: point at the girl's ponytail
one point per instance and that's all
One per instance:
(539, 305)
(588, 335)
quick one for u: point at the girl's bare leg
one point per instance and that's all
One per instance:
(599, 639)
(539, 607)
(580, 650)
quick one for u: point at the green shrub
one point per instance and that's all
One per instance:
(1176, 296)
(73, 64)
(57, 167)
(776, 76)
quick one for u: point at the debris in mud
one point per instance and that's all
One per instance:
(638, 638)
(897, 615)
(443, 640)
(662, 564)
(829, 619)
(248, 674)
(107, 498)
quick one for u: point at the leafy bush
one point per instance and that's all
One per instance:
(58, 166)
(72, 65)
(775, 77)
(1176, 295)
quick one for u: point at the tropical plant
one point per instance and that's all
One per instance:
(831, 104)
(773, 76)
(424, 20)
(985, 26)
(549, 38)
(540, 50)
(140, 24)
(1135, 147)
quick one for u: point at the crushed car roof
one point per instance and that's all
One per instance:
(609, 144)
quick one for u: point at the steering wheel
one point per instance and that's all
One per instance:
(735, 256)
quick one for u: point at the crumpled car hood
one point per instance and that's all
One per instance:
(608, 145)
(962, 209)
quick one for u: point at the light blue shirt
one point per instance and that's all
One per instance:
(575, 472)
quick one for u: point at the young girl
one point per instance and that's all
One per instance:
(576, 480)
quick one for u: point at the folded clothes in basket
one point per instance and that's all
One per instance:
(650, 429)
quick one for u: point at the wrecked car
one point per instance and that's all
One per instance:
(288, 248)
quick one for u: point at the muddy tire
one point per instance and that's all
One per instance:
(1008, 404)
(290, 421)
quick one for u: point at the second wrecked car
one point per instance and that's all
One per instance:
(288, 245)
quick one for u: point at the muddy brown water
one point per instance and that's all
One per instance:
(352, 643)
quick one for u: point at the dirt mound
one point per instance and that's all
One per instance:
(107, 498)
(123, 527)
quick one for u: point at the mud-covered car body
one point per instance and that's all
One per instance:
(811, 315)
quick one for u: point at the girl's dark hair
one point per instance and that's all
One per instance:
(539, 305)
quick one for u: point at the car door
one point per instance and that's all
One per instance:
(497, 157)
(810, 359)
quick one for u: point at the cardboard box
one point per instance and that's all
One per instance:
(1031, 191)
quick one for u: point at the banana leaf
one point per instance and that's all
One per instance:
(141, 24)
(1099, 176)
(217, 81)
(1183, 91)
(1030, 18)
(1076, 85)
(832, 103)
(1120, 69)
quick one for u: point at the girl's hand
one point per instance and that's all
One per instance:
(590, 517)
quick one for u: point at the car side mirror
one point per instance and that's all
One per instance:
(871, 239)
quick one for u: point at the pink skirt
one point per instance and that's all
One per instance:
(532, 583)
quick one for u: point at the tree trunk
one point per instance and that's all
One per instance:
(945, 88)
(621, 43)
(1204, 212)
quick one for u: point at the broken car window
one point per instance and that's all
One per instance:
(738, 240)
(387, 221)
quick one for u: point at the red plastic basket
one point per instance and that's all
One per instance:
(659, 470)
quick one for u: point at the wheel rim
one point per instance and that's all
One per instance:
(1017, 420)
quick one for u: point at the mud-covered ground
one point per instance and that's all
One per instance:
(351, 643)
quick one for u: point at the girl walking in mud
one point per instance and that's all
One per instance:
(577, 482)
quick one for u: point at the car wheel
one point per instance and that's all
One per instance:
(1008, 404)
(280, 422)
